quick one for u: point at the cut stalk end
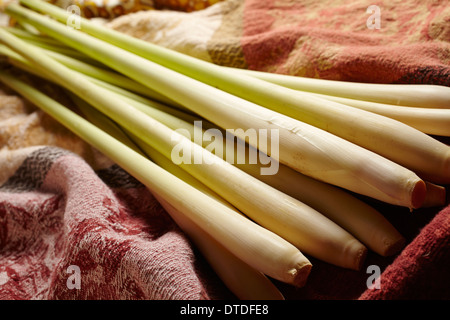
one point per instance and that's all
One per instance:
(362, 258)
(446, 176)
(393, 246)
(419, 194)
(357, 250)
(436, 196)
(300, 274)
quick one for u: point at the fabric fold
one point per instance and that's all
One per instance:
(112, 231)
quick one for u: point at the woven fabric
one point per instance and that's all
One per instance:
(73, 225)
(334, 39)
(110, 9)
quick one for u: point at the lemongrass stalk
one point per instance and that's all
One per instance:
(436, 196)
(413, 95)
(107, 76)
(304, 147)
(54, 46)
(109, 80)
(23, 34)
(29, 28)
(305, 223)
(177, 119)
(88, 66)
(169, 107)
(20, 62)
(354, 253)
(138, 145)
(260, 248)
(244, 281)
(363, 221)
(104, 123)
(382, 238)
(360, 219)
(299, 224)
(388, 137)
(12, 55)
(62, 50)
(386, 244)
(431, 121)
(177, 111)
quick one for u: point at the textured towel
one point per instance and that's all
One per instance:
(73, 225)
(110, 9)
(319, 39)
(58, 217)
(68, 214)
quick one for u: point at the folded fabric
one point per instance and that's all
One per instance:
(419, 272)
(110, 9)
(73, 225)
(318, 39)
(67, 232)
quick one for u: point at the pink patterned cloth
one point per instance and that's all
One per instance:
(57, 214)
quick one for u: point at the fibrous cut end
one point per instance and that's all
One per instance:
(393, 247)
(359, 253)
(300, 274)
(418, 194)
(436, 196)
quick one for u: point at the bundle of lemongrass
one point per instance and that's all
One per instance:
(141, 101)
